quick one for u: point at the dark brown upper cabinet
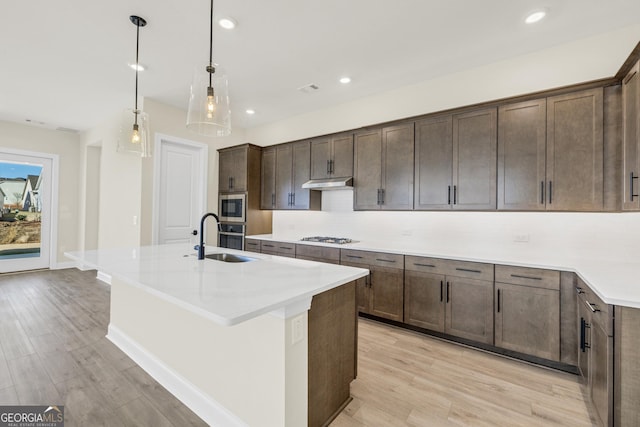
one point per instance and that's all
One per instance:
(575, 149)
(631, 139)
(522, 142)
(232, 175)
(292, 169)
(268, 181)
(455, 161)
(383, 166)
(332, 157)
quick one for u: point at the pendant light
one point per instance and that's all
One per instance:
(134, 132)
(209, 113)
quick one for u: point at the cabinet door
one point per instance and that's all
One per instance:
(268, 179)
(397, 167)
(522, 155)
(386, 288)
(367, 170)
(469, 309)
(474, 160)
(232, 174)
(300, 174)
(601, 366)
(584, 343)
(433, 163)
(631, 139)
(424, 300)
(320, 157)
(528, 320)
(342, 156)
(284, 162)
(575, 150)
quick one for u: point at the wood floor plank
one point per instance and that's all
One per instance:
(85, 404)
(8, 396)
(31, 381)
(406, 378)
(141, 412)
(5, 375)
(15, 342)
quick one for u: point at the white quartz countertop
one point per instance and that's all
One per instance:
(615, 282)
(228, 293)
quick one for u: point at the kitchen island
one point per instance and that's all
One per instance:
(267, 342)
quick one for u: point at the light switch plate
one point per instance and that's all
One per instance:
(297, 329)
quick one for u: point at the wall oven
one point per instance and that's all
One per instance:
(231, 236)
(232, 208)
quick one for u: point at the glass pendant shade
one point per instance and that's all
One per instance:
(209, 112)
(134, 133)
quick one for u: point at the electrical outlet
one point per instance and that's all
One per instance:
(297, 329)
(521, 238)
(135, 220)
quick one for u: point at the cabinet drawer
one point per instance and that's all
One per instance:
(469, 270)
(252, 245)
(601, 313)
(278, 248)
(534, 277)
(354, 256)
(424, 264)
(313, 252)
(380, 259)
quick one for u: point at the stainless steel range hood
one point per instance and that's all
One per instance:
(329, 184)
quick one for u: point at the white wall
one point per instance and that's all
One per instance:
(612, 236)
(581, 61)
(65, 145)
(126, 180)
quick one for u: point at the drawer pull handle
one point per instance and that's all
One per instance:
(518, 276)
(268, 246)
(579, 290)
(593, 307)
(417, 264)
(286, 247)
(469, 270)
(353, 256)
(385, 260)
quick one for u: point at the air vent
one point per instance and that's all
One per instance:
(63, 129)
(310, 88)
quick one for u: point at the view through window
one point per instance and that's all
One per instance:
(21, 212)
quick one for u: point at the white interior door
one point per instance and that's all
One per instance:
(181, 190)
(26, 211)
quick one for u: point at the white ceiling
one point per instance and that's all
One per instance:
(64, 62)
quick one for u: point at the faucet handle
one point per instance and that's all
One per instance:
(196, 247)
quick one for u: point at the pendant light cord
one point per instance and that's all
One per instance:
(211, 69)
(137, 50)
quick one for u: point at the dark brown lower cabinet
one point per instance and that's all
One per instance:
(527, 306)
(332, 353)
(595, 357)
(469, 312)
(382, 292)
(455, 305)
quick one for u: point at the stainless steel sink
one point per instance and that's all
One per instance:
(225, 257)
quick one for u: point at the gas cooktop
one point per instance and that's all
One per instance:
(324, 239)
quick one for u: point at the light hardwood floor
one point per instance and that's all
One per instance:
(408, 379)
(53, 351)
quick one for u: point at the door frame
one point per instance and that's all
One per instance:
(53, 224)
(202, 171)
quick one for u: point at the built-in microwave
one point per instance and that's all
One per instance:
(232, 208)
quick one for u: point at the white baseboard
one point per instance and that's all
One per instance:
(103, 277)
(201, 404)
(63, 265)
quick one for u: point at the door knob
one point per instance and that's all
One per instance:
(194, 232)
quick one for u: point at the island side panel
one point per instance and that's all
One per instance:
(332, 352)
(249, 369)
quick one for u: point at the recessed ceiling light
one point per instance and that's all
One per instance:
(345, 80)
(535, 16)
(227, 23)
(140, 67)
(250, 111)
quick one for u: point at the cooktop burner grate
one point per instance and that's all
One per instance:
(325, 239)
